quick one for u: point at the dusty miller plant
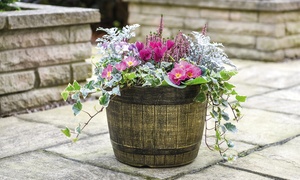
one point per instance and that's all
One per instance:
(179, 62)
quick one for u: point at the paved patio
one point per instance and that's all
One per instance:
(32, 146)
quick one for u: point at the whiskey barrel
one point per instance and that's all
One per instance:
(156, 126)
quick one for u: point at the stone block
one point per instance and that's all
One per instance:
(80, 33)
(233, 40)
(33, 37)
(25, 38)
(81, 71)
(275, 17)
(154, 20)
(247, 28)
(195, 24)
(47, 16)
(268, 44)
(30, 99)
(16, 82)
(134, 8)
(2, 22)
(54, 75)
(243, 16)
(169, 10)
(214, 14)
(253, 54)
(43, 56)
(293, 27)
(293, 53)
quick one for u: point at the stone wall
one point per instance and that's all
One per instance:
(42, 49)
(267, 30)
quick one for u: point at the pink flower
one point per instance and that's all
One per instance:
(130, 61)
(177, 75)
(193, 72)
(121, 66)
(183, 64)
(106, 73)
(145, 54)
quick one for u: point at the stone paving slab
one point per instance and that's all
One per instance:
(98, 151)
(274, 104)
(281, 161)
(18, 136)
(263, 127)
(43, 165)
(64, 117)
(224, 173)
(267, 77)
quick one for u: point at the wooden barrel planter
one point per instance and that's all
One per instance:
(156, 127)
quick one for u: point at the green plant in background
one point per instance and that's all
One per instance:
(7, 5)
(185, 60)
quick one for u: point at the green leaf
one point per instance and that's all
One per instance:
(89, 85)
(75, 140)
(77, 108)
(230, 127)
(76, 85)
(225, 116)
(198, 80)
(65, 95)
(78, 129)
(166, 78)
(104, 99)
(130, 76)
(226, 75)
(69, 88)
(201, 97)
(66, 132)
(228, 86)
(241, 98)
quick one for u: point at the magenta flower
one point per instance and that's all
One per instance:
(145, 54)
(159, 53)
(139, 45)
(177, 75)
(130, 61)
(106, 73)
(121, 66)
(170, 44)
(155, 44)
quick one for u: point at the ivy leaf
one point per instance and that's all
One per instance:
(130, 76)
(76, 85)
(77, 108)
(78, 129)
(226, 75)
(198, 80)
(225, 116)
(69, 88)
(116, 91)
(104, 99)
(230, 127)
(241, 98)
(166, 78)
(65, 95)
(201, 97)
(89, 85)
(66, 132)
(228, 86)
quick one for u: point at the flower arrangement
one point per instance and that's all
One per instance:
(181, 61)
